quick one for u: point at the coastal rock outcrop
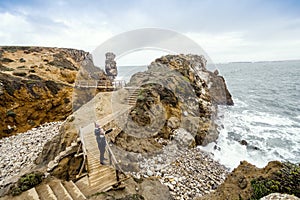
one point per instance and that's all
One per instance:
(111, 65)
(169, 95)
(249, 182)
(177, 91)
(171, 103)
(36, 85)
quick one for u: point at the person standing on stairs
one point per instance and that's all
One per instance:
(100, 137)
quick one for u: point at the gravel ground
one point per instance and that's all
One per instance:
(19, 151)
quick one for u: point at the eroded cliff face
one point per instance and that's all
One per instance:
(36, 85)
(178, 91)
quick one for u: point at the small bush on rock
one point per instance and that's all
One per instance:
(286, 180)
(27, 182)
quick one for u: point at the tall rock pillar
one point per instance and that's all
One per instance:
(111, 65)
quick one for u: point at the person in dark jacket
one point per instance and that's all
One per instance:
(100, 137)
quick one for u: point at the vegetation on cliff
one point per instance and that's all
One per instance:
(26, 182)
(285, 180)
(249, 182)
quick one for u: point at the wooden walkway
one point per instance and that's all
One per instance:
(100, 178)
(100, 84)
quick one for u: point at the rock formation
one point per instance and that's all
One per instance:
(249, 182)
(178, 91)
(110, 65)
(171, 95)
(172, 101)
(36, 85)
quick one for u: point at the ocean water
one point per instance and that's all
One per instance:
(266, 114)
(125, 72)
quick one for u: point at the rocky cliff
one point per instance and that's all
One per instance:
(177, 91)
(249, 182)
(36, 85)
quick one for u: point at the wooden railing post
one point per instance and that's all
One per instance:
(113, 161)
(84, 163)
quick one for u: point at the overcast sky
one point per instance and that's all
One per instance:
(228, 30)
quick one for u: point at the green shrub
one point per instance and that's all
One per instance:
(264, 187)
(286, 180)
(27, 182)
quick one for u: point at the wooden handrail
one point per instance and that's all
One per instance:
(82, 145)
(100, 83)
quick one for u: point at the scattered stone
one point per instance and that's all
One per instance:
(244, 142)
(186, 172)
(22, 60)
(173, 122)
(242, 182)
(20, 151)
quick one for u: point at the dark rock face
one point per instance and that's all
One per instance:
(111, 65)
(68, 167)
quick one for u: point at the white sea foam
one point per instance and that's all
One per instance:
(276, 137)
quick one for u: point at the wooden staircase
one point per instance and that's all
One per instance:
(133, 94)
(53, 190)
(100, 178)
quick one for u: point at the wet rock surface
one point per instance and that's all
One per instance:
(20, 151)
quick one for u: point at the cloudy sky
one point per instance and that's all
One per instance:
(228, 30)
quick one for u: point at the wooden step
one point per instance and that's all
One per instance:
(95, 170)
(73, 190)
(103, 187)
(100, 171)
(88, 190)
(94, 154)
(45, 192)
(102, 178)
(60, 191)
(29, 194)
